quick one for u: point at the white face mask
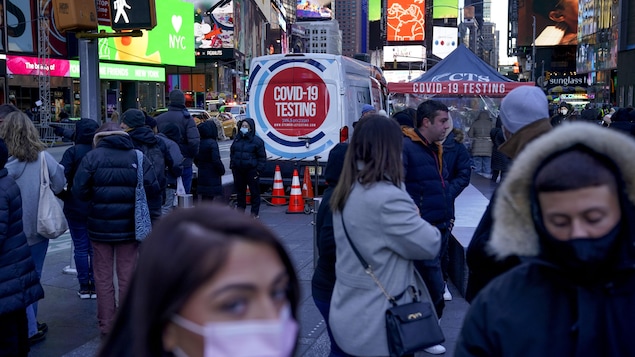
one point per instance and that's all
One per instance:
(564, 111)
(244, 130)
(255, 338)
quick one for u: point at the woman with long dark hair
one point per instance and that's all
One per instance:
(384, 224)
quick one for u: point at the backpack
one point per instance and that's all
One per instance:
(156, 154)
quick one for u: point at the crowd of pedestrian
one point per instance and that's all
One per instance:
(553, 250)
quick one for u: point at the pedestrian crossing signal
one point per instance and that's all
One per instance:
(74, 15)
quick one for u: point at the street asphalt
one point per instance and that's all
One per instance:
(73, 325)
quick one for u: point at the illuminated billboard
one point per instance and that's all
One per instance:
(213, 29)
(170, 42)
(313, 10)
(445, 9)
(415, 53)
(405, 20)
(374, 10)
(556, 22)
(444, 40)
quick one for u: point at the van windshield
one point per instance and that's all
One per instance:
(234, 110)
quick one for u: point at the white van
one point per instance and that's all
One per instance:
(304, 104)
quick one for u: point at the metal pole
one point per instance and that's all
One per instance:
(89, 80)
(533, 51)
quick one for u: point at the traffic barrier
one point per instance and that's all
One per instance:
(248, 196)
(278, 189)
(307, 186)
(296, 202)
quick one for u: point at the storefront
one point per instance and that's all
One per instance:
(146, 82)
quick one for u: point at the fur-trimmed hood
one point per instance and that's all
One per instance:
(513, 232)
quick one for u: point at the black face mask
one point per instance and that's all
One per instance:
(585, 257)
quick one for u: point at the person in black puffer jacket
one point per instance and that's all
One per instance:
(323, 279)
(247, 160)
(76, 210)
(133, 122)
(190, 138)
(18, 277)
(107, 178)
(210, 166)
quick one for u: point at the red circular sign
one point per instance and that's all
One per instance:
(296, 101)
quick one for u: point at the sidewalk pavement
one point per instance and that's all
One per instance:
(72, 322)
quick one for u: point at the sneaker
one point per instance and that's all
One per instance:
(37, 338)
(42, 327)
(435, 350)
(84, 291)
(255, 216)
(446, 294)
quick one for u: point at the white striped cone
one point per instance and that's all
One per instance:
(278, 189)
(296, 202)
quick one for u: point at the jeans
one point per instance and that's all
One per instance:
(123, 256)
(38, 252)
(186, 176)
(168, 205)
(242, 179)
(324, 307)
(83, 253)
(483, 164)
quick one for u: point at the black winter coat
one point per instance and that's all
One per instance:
(457, 161)
(19, 283)
(208, 161)
(190, 138)
(247, 152)
(157, 152)
(74, 208)
(500, 161)
(534, 294)
(107, 177)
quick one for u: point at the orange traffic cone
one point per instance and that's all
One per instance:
(248, 196)
(296, 203)
(307, 186)
(278, 189)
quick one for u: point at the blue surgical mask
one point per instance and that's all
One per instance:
(244, 130)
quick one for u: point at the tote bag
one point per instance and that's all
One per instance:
(51, 222)
(142, 222)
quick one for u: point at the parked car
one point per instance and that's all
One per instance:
(201, 115)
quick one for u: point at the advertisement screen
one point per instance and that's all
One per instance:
(444, 40)
(170, 42)
(213, 29)
(406, 20)
(556, 22)
(445, 9)
(313, 10)
(374, 10)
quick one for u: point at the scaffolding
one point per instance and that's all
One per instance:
(43, 73)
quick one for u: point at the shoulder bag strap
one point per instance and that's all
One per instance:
(139, 168)
(367, 268)
(44, 170)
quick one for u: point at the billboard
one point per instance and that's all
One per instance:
(374, 10)
(444, 40)
(213, 29)
(555, 25)
(414, 53)
(170, 42)
(445, 9)
(313, 10)
(405, 20)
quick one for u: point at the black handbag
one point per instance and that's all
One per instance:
(410, 327)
